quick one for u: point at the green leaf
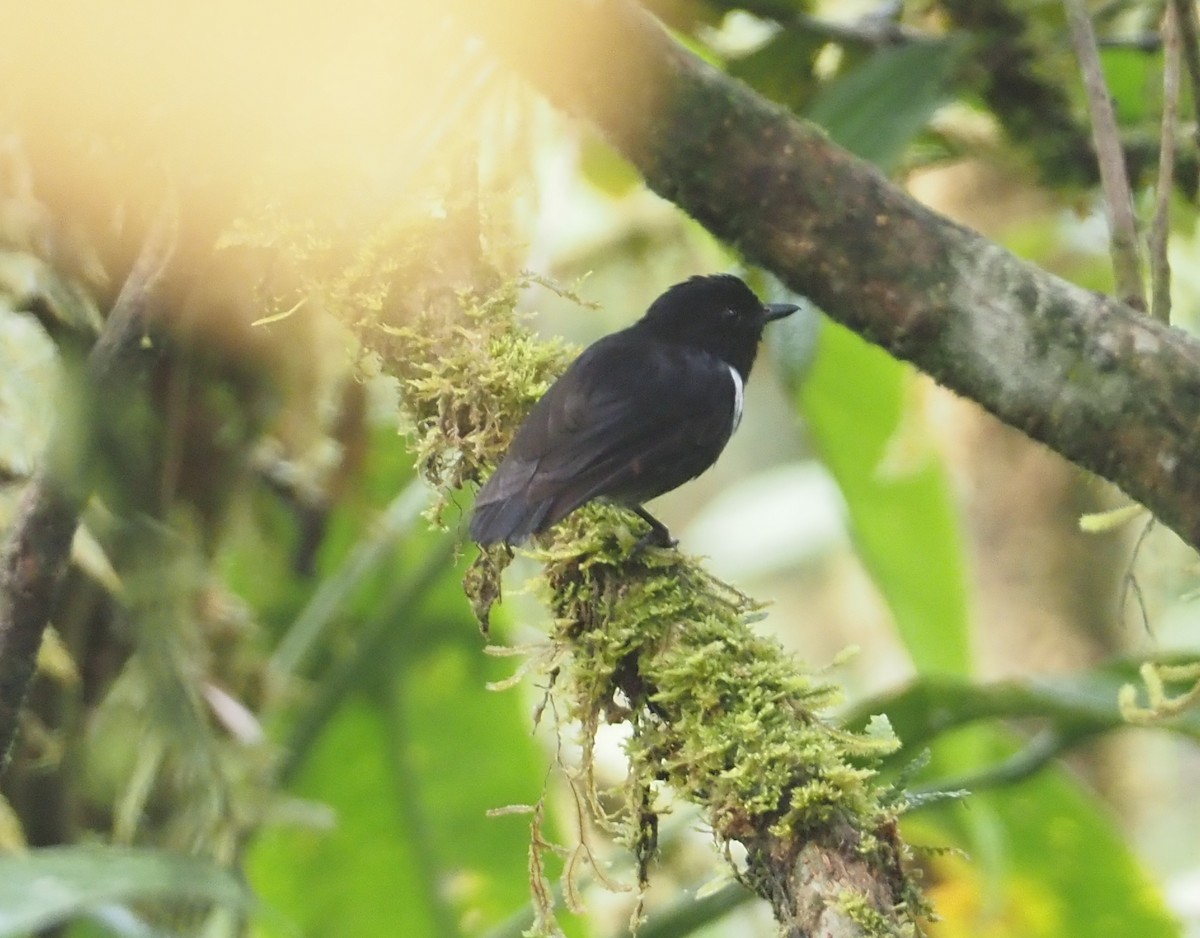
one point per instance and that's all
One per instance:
(859, 403)
(1134, 80)
(606, 169)
(429, 753)
(1065, 870)
(46, 887)
(862, 414)
(876, 109)
(1063, 845)
(1073, 705)
(470, 751)
(363, 873)
(363, 561)
(782, 68)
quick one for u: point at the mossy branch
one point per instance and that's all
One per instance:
(1103, 385)
(719, 715)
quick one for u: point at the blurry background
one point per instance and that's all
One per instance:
(263, 660)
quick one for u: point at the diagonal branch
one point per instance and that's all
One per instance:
(1114, 391)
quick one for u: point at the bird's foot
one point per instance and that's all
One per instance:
(657, 536)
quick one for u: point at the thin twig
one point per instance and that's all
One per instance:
(1160, 225)
(1113, 177)
(1040, 752)
(1185, 17)
(38, 547)
(1129, 582)
(371, 643)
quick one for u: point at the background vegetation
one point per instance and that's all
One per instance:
(264, 705)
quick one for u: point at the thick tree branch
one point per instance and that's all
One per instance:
(1112, 390)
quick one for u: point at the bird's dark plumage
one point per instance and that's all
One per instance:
(639, 413)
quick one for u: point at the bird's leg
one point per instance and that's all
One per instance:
(657, 536)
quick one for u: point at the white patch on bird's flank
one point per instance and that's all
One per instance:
(738, 391)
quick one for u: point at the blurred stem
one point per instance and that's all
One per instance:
(519, 924)
(1113, 177)
(681, 919)
(1185, 17)
(1043, 749)
(353, 672)
(397, 519)
(1160, 225)
(386, 692)
(38, 548)
(689, 915)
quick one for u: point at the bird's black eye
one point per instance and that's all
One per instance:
(729, 315)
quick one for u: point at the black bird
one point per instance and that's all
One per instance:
(639, 413)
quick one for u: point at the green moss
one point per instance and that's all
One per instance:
(467, 381)
(862, 911)
(721, 716)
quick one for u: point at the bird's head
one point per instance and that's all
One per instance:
(717, 313)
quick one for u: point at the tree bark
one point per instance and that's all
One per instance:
(1110, 389)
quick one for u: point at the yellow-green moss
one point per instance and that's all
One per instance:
(862, 911)
(1160, 704)
(720, 715)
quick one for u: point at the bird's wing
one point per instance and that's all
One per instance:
(630, 419)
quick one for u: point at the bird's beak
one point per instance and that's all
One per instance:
(773, 311)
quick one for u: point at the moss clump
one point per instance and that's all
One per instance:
(719, 714)
(859, 908)
(467, 380)
(426, 308)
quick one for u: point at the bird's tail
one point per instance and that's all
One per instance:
(509, 520)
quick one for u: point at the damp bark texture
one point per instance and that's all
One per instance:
(1108, 388)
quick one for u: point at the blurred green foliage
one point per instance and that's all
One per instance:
(297, 705)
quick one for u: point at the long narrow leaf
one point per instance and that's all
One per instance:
(47, 887)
